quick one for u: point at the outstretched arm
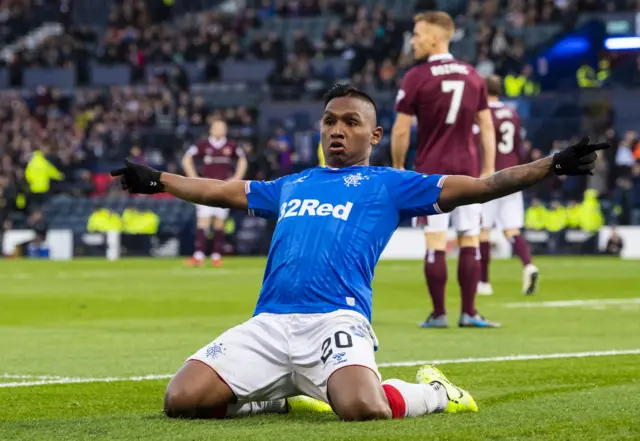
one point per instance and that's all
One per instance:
(264, 197)
(578, 159)
(464, 190)
(224, 194)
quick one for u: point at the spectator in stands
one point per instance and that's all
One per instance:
(614, 243)
(523, 84)
(555, 224)
(7, 201)
(256, 163)
(280, 153)
(38, 224)
(599, 180)
(624, 158)
(39, 173)
(635, 205)
(485, 66)
(85, 186)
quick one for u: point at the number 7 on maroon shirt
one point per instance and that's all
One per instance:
(445, 95)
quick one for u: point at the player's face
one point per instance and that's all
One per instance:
(424, 39)
(218, 129)
(348, 131)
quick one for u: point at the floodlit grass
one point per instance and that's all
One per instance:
(95, 319)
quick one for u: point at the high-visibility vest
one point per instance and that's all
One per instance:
(556, 220)
(321, 161)
(604, 72)
(40, 172)
(587, 77)
(531, 88)
(513, 85)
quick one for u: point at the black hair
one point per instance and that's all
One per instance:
(344, 89)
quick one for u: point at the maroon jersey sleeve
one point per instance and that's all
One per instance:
(408, 95)
(483, 102)
(197, 150)
(237, 150)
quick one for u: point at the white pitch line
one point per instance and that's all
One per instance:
(514, 358)
(572, 303)
(73, 380)
(26, 377)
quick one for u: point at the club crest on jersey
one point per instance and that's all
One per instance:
(215, 350)
(354, 180)
(227, 151)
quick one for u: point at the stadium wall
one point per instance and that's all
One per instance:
(405, 244)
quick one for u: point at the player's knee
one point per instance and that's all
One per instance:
(361, 409)
(484, 235)
(511, 232)
(179, 401)
(218, 224)
(469, 241)
(436, 241)
(203, 223)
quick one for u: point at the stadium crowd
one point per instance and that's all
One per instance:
(54, 141)
(371, 38)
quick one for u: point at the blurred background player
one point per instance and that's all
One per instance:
(219, 156)
(321, 161)
(507, 212)
(447, 97)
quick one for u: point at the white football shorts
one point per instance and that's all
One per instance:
(465, 220)
(274, 356)
(206, 211)
(506, 213)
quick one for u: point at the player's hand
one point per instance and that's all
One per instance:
(138, 178)
(578, 159)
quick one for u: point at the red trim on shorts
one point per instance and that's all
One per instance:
(396, 401)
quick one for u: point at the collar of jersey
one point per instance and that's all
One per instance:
(343, 168)
(217, 143)
(440, 57)
(496, 104)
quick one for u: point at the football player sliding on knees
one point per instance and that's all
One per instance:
(310, 344)
(446, 97)
(508, 211)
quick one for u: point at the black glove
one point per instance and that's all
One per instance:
(137, 178)
(578, 159)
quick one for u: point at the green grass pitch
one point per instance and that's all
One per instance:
(96, 319)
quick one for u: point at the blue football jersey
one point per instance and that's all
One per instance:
(333, 224)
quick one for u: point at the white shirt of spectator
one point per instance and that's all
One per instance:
(562, 4)
(624, 156)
